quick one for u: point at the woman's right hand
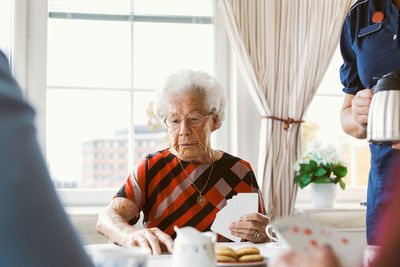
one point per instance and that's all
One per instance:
(360, 106)
(153, 238)
(113, 224)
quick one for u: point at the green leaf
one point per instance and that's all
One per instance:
(313, 165)
(296, 179)
(305, 179)
(342, 184)
(340, 171)
(322, 180)
(320, 171)
(305, 168)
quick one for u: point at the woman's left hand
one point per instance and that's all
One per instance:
(251, 227)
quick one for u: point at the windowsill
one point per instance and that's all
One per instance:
(83, 211)
(86, 197)
(352, 194)
(101, 197)
(338, 207)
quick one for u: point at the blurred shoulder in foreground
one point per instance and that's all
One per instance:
(34, 229)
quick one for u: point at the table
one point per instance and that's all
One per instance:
(268, 250)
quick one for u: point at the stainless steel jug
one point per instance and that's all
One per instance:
(384, 111)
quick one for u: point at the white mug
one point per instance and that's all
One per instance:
(279, 241)
(269, 230)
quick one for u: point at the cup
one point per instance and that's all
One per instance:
(110, 255)
(274, 236)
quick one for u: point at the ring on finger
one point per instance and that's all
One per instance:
(256, 234)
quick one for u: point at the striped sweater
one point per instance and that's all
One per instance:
(159, 187)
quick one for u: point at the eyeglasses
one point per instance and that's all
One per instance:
(192, 120)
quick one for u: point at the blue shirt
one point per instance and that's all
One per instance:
(370, 50)
(368, 57)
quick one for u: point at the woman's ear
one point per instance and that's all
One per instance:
(215, 122)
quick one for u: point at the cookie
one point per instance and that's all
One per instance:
(247, 251)
(225, 251)
(223, 258)
(251, 257)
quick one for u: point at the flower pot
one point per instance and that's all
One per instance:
(323, 195)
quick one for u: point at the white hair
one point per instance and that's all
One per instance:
(188, 81)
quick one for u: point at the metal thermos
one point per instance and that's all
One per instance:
(384, 112)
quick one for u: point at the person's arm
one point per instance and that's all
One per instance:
(354, 113)
(396, 146)
(34, 229)
(354, 116)
(113, 224)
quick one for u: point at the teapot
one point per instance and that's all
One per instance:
(384, 112)
(194, 249)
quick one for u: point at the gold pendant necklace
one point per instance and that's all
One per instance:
(201, 200)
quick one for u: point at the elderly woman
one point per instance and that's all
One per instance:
(185, 185)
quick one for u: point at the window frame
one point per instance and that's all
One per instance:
(33, 80)
(28, 53)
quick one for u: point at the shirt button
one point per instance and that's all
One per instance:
(395, 37)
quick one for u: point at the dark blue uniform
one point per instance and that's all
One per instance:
(370, 50)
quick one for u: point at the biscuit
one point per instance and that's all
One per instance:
(247, 251)
(251, 257)
(223, 258)
(225, 251)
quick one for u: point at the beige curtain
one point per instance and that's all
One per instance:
(283, 48)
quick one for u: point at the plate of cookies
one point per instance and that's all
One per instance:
(244, 256)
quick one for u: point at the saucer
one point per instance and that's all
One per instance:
(262, 263)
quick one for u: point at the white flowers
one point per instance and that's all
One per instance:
(322, 155)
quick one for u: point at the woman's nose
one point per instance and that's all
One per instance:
(184, 128)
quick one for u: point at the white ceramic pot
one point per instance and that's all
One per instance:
(194, 249)
(323, 195)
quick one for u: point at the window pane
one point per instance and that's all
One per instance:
(89, 53)
(331, 82)
(325, 127)
(161, 49)
(150, 135)
(98, 152)
(85, 141)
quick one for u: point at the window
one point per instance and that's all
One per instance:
(323, 124)
(104, 61)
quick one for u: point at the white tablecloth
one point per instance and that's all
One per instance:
(268, 250)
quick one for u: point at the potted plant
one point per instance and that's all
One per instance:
(323, 169)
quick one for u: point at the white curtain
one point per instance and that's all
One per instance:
(282, 48)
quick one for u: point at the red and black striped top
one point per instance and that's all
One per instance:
(159, 187)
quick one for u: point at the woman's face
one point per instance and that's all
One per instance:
(190, 127)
